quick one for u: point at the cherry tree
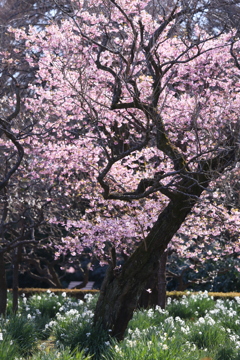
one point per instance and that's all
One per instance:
(22, 198)
(137, 122)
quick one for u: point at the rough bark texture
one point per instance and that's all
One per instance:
(3, 286)
(15, 283)
(155, 289)
(120, 292)
(149, 298)
(162, 280)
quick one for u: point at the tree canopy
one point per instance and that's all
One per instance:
(135, 116)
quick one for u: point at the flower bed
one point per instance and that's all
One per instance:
(52, 326)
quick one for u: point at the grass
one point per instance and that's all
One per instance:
(54, 326)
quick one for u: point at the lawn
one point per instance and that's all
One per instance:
(49, 327)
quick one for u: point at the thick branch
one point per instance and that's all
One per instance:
(20, 150)
(16, 244)
(145, 188)
(5, 124)
(162, 27)
(112, 161)
(234, 56)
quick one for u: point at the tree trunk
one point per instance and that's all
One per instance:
(149, 295)
(54, 275)
(3, 286)
(162, 280)
(85, 277)
(15, 283)
(120, 292)
(154, 292)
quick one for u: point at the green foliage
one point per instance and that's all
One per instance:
(181, 310)
(207, 335)
(22, 332)
(190, 328)
(193, 327)
(226, 352)
(152, 350)
(61, 355)
(145, 318)
(41, 328)
(191, 307)
(8, 349)
(76, 330)
(47, 304)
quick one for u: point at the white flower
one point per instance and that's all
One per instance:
(164, 347)
(88, 297)
(149, 344)
(131, 343)
(64, 294)
(210, 321)
(150, 313)
(185, 329)
(169, 300)
(1, 336)
(118, 350)
(201, 320)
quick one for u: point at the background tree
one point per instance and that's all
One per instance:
(22, 198)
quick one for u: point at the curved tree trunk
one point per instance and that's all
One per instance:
(3, 285)
(120, 292)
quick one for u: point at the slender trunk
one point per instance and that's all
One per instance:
(120, 292)
(3, 286)
(85, 277)
(162, 280)
(15, 283)
(55, 277)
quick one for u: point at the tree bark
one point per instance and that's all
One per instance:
(120, 292)
(154, 292)
(3, 286)
(149, 295)
(161, 286)
(15, 283)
